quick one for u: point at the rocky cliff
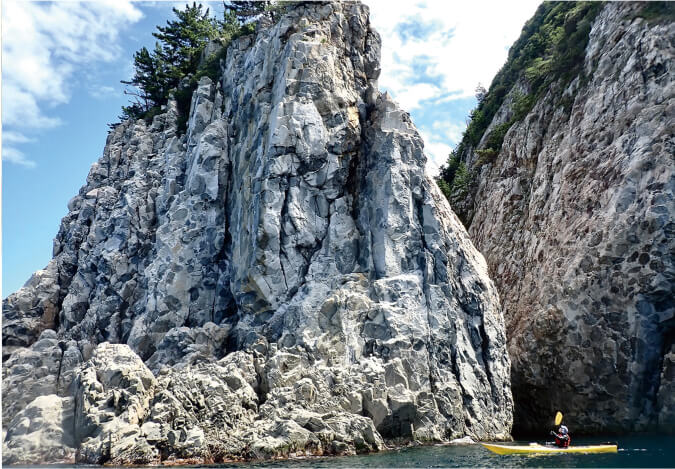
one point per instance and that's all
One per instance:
(575, 218)
(282, 279)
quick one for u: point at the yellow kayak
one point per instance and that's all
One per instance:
(535, 448)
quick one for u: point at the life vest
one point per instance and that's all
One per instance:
(562, 441)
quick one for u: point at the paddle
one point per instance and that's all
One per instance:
(557, 420)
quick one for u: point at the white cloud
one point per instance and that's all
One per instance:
(20, 109)
(452, 131)
(102, 91)
(43, 44)
(437, 153)
(462, 43)
(436, 149)
(16, 156)
(412, 96)
(436, 52)
(439, 141)
(9, 136)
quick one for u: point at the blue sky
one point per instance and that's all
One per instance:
(62, 63)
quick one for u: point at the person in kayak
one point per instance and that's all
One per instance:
(562, 438)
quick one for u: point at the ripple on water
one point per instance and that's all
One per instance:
(634, 451)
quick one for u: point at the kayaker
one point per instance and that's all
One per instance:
(562, 438)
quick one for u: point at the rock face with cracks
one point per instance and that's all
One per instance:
(282, 279)
(575, 218)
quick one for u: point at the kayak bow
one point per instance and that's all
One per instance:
(535, 448)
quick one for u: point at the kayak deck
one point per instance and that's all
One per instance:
(535, 448)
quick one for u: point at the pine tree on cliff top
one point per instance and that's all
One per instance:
(246, 10)
(178, 52)
(175, 56)
(182, 41)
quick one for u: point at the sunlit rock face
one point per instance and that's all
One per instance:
(575, 219)
(282, 279)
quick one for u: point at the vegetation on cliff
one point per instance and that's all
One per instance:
(175, 65)
(235, 346)
(658, 12)
(549, 50)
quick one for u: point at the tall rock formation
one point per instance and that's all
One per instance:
(575, 219)
(281, 279)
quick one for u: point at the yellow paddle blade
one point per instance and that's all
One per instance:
(558, 418)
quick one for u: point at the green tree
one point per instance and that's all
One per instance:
(462, 179)
(183, 40)
(550, 50)
(245, 11)
(448, 170)
(177, 55)
(148, 80)
(481, 92)
(229, 26)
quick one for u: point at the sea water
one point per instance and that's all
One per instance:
(634, 451)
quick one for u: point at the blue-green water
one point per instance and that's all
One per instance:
(634, 451)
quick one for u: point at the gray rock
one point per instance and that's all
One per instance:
(575, 219)
(112, 395)
(31, 310)
(41, 432)
(666, 397)
(46, 368)
(463, 441)
(287, 271)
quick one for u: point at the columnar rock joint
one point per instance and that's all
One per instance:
(282, 279)
(575, 218)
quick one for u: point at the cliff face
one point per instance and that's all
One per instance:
(282, 279)
(575, 219)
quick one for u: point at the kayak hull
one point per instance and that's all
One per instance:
(535, 448)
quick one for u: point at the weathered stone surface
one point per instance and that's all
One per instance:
(47, 367)
(247, 406)
(41, 433)
(666, 398)
(34, 308)
(294, 281)
(112, 395)
(575, 219)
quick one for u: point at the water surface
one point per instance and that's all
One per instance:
(634, 451)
